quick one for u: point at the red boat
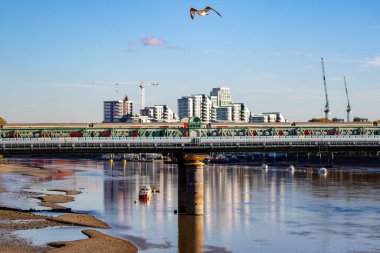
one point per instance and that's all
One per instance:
(145, 192)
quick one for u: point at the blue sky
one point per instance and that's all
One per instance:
(268, 53)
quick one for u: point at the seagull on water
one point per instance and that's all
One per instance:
(203, 12)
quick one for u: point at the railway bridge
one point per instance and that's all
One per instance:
(190, 137)
(191, 141)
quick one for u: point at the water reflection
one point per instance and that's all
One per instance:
(190, 233)
(246, 208)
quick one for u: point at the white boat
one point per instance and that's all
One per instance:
(145, 192)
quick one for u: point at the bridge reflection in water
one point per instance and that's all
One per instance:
(247, 209)
(190, 233)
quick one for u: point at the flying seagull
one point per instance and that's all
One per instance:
(203, 12)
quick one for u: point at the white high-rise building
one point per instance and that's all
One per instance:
(223, 96)
(113, 111)
(214, 100)
(147, 111)
(236, 112)
(213, 117)
(274, 116)
(224, 113)
(127, 106)
(206, 113)
(268, 117)
(168, 114)
(259, 118)
(245, 113)
(216, 107)
(196, 105)
(159, 113)
(185, 107)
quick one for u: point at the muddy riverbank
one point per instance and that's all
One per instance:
(13, 219)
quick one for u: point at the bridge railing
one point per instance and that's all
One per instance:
(2, 140)
(150, 144)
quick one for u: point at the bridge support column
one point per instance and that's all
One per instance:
(190, 184)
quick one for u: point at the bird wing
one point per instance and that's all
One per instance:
(207, 9)
(192, 12)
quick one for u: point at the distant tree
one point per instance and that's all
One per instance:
(2, 121)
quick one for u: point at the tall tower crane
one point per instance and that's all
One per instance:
(327, 107)
(142, 95)
(348, 110)
(142, 86)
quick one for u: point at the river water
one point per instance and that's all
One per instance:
(247, 209)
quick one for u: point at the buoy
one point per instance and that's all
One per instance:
(135, 201)
(322, 171)
(291, 168)
(264, 166)
(175, 211)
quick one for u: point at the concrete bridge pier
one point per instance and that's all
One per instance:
(190, 184)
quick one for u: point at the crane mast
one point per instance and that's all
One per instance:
(348, 110)
(327, 107)
(142, 94)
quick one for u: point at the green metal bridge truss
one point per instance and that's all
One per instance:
(189, 131)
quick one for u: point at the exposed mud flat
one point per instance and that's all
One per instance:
(12, 220)
(97, 242)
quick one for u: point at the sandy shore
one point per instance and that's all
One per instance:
(80, 219)
(13, 220)
(38, 172)
(51, 201)
(68, 192)
(13, 244)
(56, 198)
(96, 240)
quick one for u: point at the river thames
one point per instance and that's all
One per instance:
(247, 209)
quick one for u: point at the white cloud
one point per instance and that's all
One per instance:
(152, 41)
(374, 61)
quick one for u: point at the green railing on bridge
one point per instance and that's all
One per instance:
(185, 132)
(194, 128)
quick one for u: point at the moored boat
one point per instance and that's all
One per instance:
(145, 192)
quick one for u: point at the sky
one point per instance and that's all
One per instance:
(59, 59)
